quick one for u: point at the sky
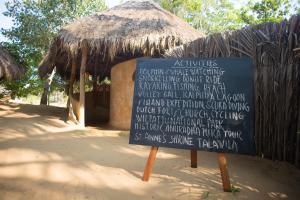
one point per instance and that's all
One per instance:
(4, 21)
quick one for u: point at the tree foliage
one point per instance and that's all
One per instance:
(256, 12)
(208, 16)
(35, 24)
(211, 16)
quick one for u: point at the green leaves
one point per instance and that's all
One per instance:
(206, 16)
(35, 24)
(221, 15)
(256, 12)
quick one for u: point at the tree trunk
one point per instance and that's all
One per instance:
(45, 95)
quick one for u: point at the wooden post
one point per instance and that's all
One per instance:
(46, 94)
(193, 158)
(297, 156)
(82, 83)
(150, 164)
(71, 83)
(224, 172)
(95, 80)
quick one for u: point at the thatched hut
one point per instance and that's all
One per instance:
(9, 70)
(275, 51)
(94, 44)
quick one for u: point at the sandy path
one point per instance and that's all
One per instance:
(42, 157)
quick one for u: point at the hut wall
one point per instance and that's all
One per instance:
(121, 96)
(96, 107)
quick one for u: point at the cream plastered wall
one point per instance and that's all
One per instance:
(121, 96)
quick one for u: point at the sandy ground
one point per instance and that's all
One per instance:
(42, 158)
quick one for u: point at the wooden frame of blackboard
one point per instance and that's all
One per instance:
(221, 159)
(245, 144)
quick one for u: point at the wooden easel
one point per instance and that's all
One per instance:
(221, 159)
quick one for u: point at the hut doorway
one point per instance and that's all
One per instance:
(97, 103)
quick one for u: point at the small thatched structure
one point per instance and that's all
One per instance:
(275, 51)
(133, 29)
(94, 44)
(9, 70)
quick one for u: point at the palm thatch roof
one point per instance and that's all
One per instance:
(275, 52)
(9, 70)
(132, 29)
(245, 42)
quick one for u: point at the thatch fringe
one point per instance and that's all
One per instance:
(275, 51)
(9, 70)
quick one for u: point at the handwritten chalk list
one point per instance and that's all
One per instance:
(204, 104)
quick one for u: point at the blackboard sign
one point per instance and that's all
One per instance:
(203, 104)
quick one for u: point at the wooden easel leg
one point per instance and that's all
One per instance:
(193, 158)
(150, 164)
(224, 172)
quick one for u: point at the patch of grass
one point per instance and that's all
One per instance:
(234, 189)
(205, 195)
(123, 133)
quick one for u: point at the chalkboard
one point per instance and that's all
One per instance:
(200, 104)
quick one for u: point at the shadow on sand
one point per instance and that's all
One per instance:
(45, 161)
